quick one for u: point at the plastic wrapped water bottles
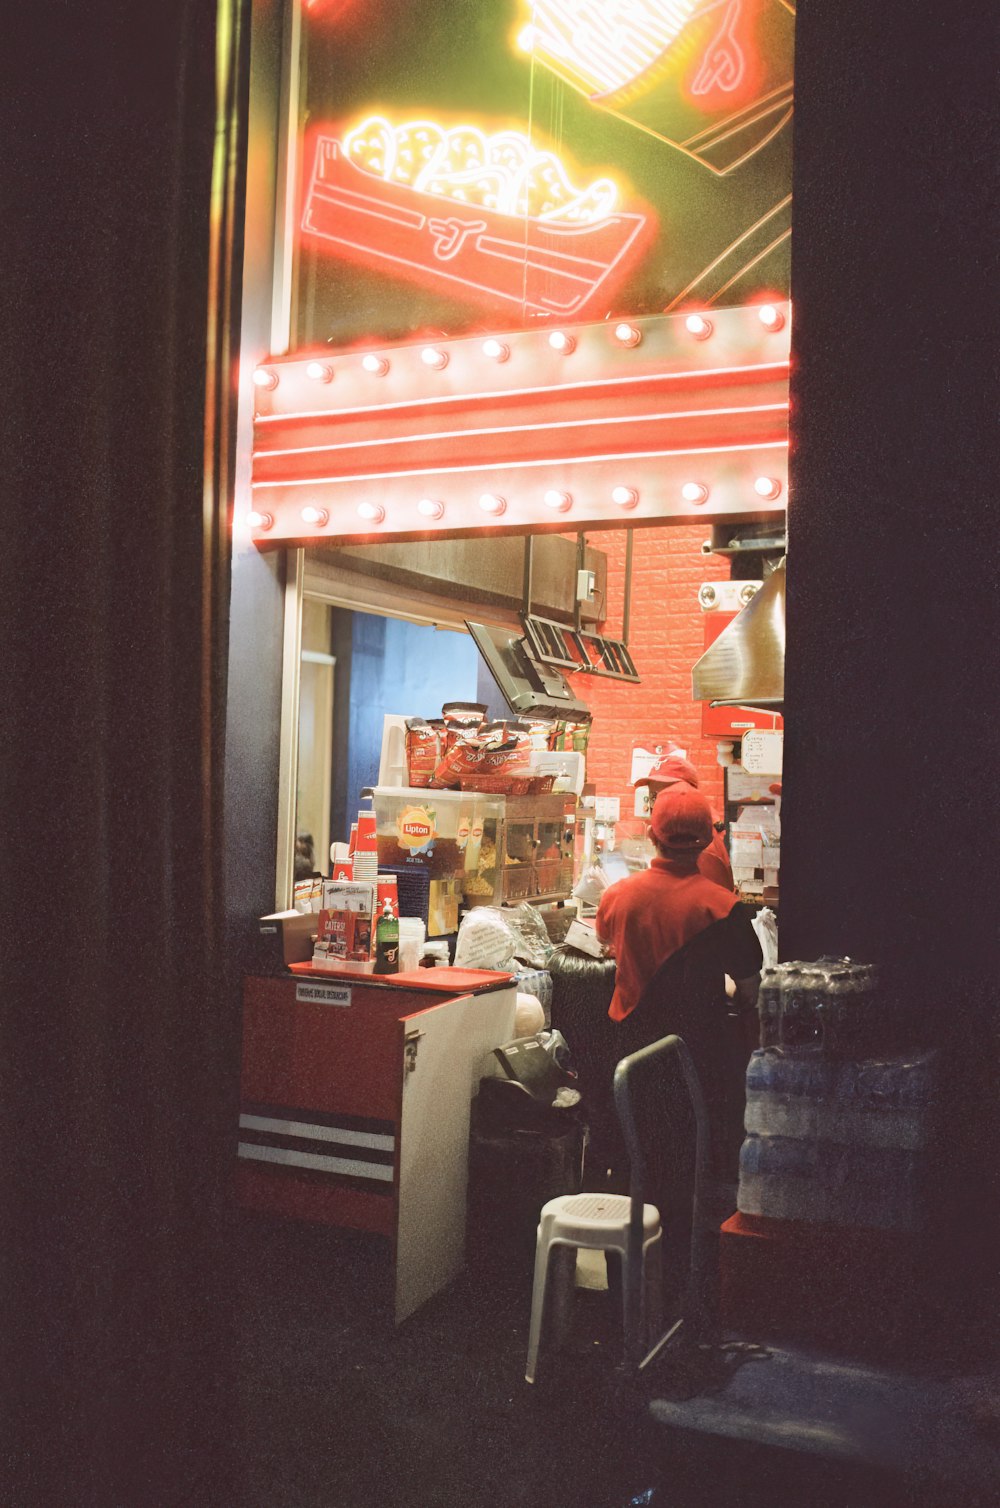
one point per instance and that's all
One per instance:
(849, 1142)
(841, 1125)
(832, 1006)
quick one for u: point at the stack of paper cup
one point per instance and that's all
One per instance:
(366, 849)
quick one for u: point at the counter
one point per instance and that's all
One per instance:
(354, 1106)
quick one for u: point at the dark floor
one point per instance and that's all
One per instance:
(339, 1409)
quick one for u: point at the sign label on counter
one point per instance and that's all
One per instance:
(323, 994)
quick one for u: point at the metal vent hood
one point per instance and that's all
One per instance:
(745, 666)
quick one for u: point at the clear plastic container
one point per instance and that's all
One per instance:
(451, 835)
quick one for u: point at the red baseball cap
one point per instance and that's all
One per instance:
(668, 769)
(681, 821)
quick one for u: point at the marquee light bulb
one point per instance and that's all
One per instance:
(492, 502)
(770, 317)
(315, 516)
(373, 512)
(694, 492)
(258, 520)
(560, 341)
(698, 326)
(628, 334)
(767, 486)
(265, 378)
(430, 507)
(433, 357)
(377, 365)
(496, 350)
(318, 371)
(560, 502)
(624, 497)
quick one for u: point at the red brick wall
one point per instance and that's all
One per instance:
(665, 639)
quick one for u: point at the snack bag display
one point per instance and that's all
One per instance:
(423, 750)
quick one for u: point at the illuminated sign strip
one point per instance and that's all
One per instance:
(509, 465)
(561, 424)
(690, 375)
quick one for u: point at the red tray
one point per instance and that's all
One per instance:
(447, 981)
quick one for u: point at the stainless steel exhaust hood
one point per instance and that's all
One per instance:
(745, 667)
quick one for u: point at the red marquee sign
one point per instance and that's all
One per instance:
(669, 417)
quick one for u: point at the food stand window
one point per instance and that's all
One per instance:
(523, 295)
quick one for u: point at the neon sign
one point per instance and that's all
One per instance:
(724, 64)
(711, 77)
(502, 172)
(610, 47)
(495, 218)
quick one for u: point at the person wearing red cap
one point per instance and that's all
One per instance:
(675, 936)
(713, 861)
(655, 914)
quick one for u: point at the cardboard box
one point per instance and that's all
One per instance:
(286, 937)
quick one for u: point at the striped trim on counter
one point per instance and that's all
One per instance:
(339, 1146)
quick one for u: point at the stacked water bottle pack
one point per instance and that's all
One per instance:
(840, 1128)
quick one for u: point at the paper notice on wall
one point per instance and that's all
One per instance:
(608, 808)
(643, 759)
(742, 786)
(760, 752)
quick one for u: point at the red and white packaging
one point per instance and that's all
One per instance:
(387, 890)
(366, 849)
(345, 937)
(423, 750)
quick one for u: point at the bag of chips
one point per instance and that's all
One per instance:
(422, 751)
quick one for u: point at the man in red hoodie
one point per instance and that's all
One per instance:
(668, 770)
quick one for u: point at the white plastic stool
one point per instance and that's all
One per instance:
(598, 1222)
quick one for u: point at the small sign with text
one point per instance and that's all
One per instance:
(323, 994)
